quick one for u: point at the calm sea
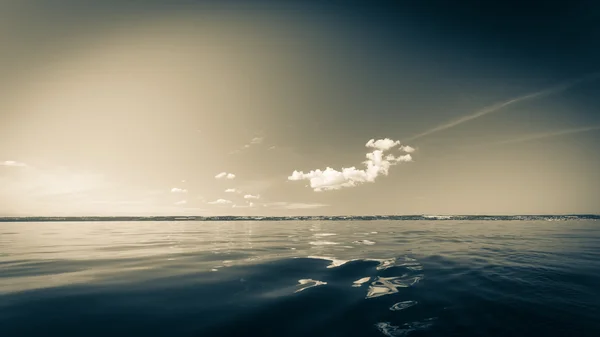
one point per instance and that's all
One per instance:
(300, 278)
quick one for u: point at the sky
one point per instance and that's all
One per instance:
(185, 107)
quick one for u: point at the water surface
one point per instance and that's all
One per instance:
(301, 278)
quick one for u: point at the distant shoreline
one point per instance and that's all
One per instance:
(306, 218)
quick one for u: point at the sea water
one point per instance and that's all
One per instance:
(427, 277)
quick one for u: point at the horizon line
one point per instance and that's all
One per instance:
(292, 217)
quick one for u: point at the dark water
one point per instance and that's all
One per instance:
(301, 278)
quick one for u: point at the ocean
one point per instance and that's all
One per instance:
(433, 276)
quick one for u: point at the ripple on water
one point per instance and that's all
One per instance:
(390, 330)
(364, 242)
(360, 282)
(403, 305)
(389, 285)
(334, 262)
(322, 243)
(308, 283)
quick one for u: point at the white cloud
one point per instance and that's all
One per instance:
(293, 205)
(225, 175)
(376, 164)
(407, 149)
(250, 205)
(382, 144)
(178, 190)
(232, 190)
(181, 202)
(219, 202)
(256, 140)
(250, 196)
(12, 163)
(253, 141)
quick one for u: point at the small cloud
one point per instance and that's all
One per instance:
(376, 165)
(293, 205)
(178, 190)
(253, 141)
(382, 144)
(181, 202)
(407, 149)
(225, 175)
(250, 196)
(12, 163)
(232, 190)
(250, 205)
(219, 202)
(256, 140)
(272, 147)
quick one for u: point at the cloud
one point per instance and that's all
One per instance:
(250, 196)
(293, 205)
(253, 141)
(178, 190)
(382, 144)
(232, 190)
(493, 108)
(181, 202)
(250, 205)
(549, 134)
(219, 202)
(407, 149)
(256, 140)
(225, 175)
(376, 164)
(12, 163)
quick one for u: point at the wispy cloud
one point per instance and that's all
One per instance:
(250, 196)
(225, 175)
(220, 202)
(253, 142)
(549, 134)
(12, 163)
(178, 190)
(249, 205)
(293, 205)
(256, 140)
(493, 108)
(232, 190)
(376, 164)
